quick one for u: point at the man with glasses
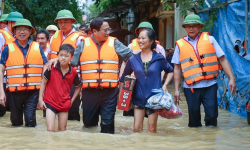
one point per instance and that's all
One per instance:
(199, 58)
(66, 35)
(6, 37)
(23, 61)
(99, 57)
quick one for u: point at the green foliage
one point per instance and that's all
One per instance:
(196, 6)
(42, 13)
(93, 11)
(107, 4)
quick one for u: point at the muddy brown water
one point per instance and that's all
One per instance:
(232, 132)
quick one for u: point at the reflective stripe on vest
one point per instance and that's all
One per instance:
(8, 38)
(24, 74)
(99, 68)
(57, 41)
(99, 62)
(99, 81)
(100, 71)
(202, 65)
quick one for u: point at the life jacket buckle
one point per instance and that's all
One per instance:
(25, 66)
(204, 73)
(25, 75)
(201, 64)
(201, 56)
(190, 59)
(99, 70)
(99, 80)
(25, 84)
(99, 61)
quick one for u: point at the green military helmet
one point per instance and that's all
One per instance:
(14, 16)
(64, 14)
(192, 19)
(143, 25)
(23, 22)
(4, 16)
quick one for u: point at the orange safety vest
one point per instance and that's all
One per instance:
(24, 74)
(57, 41)
(99, 68)
(8, 37)
(201, 66)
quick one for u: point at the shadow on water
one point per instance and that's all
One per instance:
(232, 133)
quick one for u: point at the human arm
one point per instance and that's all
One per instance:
(161, 50)
(77, 54)
(167, 68)
(123, 51)
(41, 104)
(76, 93)
(77, 83)
(177, 81)
(228, 70)
(2, 94)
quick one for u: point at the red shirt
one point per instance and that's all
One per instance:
(57, 91)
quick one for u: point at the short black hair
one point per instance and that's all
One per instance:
(96, 23)
(44, 32)
(151, 36)
(68, 48)
(83, 26)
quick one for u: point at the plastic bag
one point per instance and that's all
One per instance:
(160, 100)
(173, 112)
(164, 104)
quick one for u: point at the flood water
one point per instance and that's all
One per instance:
(232, 132)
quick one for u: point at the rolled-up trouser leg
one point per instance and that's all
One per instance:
(16, 108)
(74, 109)
(209, 100)
(108, 109)
(30, 104)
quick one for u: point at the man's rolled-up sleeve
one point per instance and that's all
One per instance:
(123, 51)
(77, 54)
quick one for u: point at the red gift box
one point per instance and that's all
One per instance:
(126, 93)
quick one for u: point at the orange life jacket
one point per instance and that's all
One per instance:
(57, 41)
(158, 42)
(8, 37)
(204, 65)
(135, 46)
(24, 74)
(99, 68)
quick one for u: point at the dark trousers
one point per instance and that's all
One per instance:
(5, 108)
(74, 109)
(24, 102)
(103, 102)
(208, 97)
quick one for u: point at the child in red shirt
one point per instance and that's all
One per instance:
(55, 89)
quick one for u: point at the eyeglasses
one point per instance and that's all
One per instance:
(193, 26)
(22, 29)
(106, 30)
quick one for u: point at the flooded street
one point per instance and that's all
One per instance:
(232, 133)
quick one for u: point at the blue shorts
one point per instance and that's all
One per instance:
(149, 111)
(51, 108)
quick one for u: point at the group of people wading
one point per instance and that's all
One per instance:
(90, 66)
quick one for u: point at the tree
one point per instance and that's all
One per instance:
(41, 13)
(197, 6)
